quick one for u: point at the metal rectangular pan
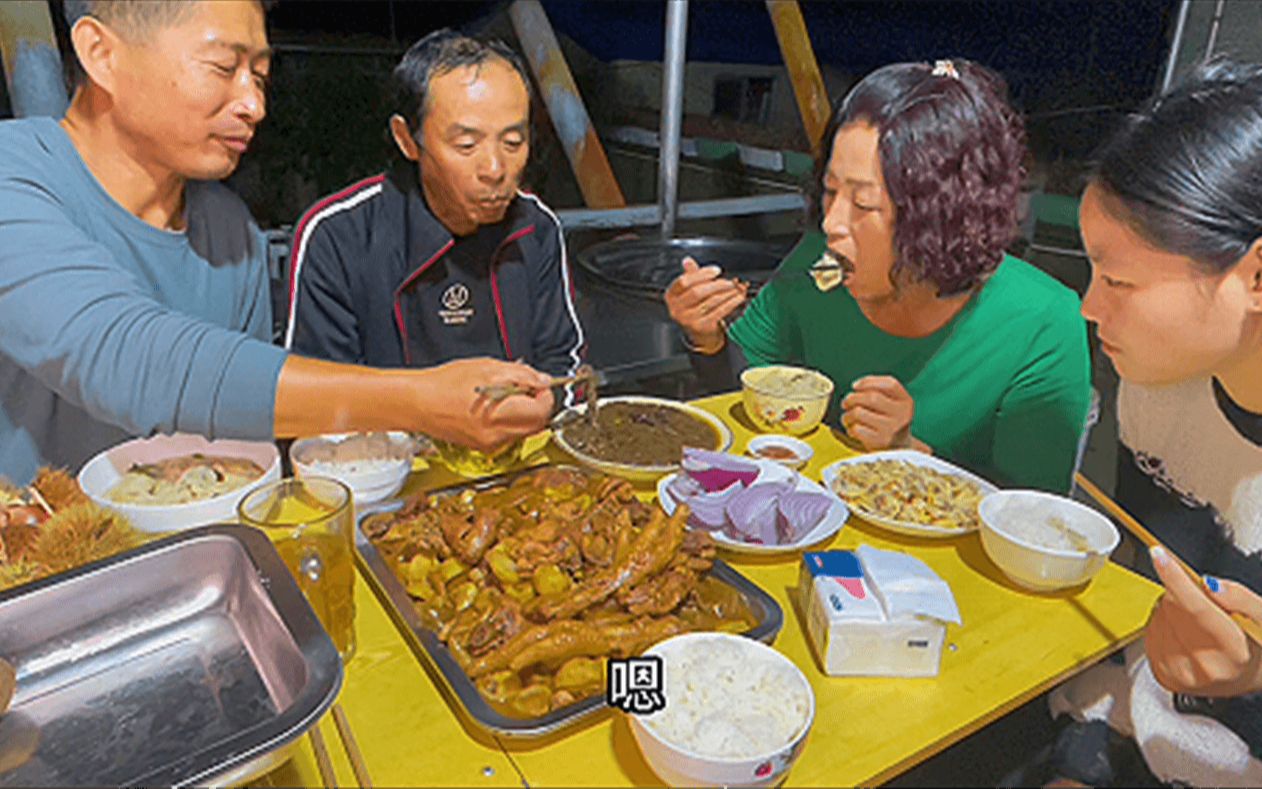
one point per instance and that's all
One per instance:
(191, 660)
(457, 685)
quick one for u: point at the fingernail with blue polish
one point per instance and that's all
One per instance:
(1212, 583)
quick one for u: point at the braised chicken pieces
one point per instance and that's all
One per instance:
(534, 584)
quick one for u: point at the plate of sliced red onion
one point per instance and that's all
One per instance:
(751, 506)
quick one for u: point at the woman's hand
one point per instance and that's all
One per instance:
(1192, 644)
(877, 413)
(699, 299)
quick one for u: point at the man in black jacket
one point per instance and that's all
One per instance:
(443, 257)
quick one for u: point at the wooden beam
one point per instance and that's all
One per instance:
(565, 106)
(799, 58)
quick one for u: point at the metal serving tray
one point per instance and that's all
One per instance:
(456, 684)
(191, 660)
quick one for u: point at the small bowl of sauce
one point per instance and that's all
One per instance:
(785, 450)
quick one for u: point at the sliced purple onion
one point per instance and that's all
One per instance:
(683, 487)
(708, 511)
(752, 512)
(716, 471)
(799, 512)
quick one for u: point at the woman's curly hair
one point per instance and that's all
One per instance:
(951, 153)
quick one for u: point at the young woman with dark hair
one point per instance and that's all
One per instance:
(937, 339)
(1172, 222)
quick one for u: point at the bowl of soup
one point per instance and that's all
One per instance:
(178, 481)
(1044, 542)
(783, 399)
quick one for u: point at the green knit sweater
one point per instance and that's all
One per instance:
(1003, 388)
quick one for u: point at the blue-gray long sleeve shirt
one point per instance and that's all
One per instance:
(111, 328)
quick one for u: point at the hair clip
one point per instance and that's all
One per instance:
(945, 68)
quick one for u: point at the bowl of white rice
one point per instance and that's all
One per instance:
(737, 713)
(1045, 542)
(373, 465)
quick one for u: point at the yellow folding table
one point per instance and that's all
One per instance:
(1012, 646)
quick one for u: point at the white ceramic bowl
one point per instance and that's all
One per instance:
(802, 452)
(103, 472)
(678, 766)
(369, 481)
(1034, 566)
(773, 412)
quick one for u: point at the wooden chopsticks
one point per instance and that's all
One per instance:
(1251, 628)
(352, 747)
(497, 392)
(325, 764)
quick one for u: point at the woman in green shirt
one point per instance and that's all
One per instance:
(936, 338)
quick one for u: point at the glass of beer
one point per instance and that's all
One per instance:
(311, 522)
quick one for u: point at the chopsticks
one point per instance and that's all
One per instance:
(497, 392)
(1251, 628)
(325, 764)
(322, 757)
(352, 747)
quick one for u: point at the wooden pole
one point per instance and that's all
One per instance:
(799, 58)
(565, 107)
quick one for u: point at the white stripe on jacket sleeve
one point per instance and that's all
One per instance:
(568, 290)
(300, 247)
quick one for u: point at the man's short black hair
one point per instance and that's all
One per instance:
(129, 17)
(133, 19)
(436, 54)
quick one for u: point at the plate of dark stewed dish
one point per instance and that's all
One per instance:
(638, 438)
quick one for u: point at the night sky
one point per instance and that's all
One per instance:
(1054, 53)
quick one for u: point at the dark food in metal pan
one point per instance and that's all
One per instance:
(533, 584)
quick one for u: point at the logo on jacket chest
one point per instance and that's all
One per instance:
(456, 310)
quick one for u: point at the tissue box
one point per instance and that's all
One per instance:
(850, 629)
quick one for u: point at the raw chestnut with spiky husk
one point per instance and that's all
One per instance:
(81, 534)
(35, 544)
(18, 573)
(59, 489)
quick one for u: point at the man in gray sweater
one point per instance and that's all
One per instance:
(133, 288)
